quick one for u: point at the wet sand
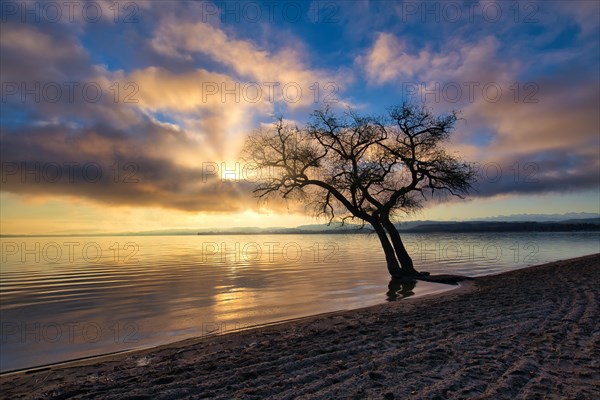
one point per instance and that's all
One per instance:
(531, 333)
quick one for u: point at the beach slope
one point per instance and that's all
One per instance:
(530, 333)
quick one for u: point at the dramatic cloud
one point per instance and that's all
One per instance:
(117, 168)
(390, 60)
(537, 135)
(282, 75)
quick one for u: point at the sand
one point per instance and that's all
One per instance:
(526, 334)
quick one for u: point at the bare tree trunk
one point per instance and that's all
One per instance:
(390, 256)
(401, 253)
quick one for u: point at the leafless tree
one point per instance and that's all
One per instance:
(365, 168)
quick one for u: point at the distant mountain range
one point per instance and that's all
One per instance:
(541, 217)
(567, 225)
(512, 223)
(571, 225)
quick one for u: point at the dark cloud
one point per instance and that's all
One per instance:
(539, 173)
(112, 167)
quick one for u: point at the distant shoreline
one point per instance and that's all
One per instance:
(430, 227)
(525, 333)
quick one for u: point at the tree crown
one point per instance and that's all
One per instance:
(357, 166)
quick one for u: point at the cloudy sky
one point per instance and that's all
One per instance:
(129, 116)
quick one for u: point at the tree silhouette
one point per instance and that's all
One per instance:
(368, 168)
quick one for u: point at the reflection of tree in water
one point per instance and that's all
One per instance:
(400, 289)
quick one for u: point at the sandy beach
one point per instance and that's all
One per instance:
(527, 334)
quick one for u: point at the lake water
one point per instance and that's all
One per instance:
(63, 298)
